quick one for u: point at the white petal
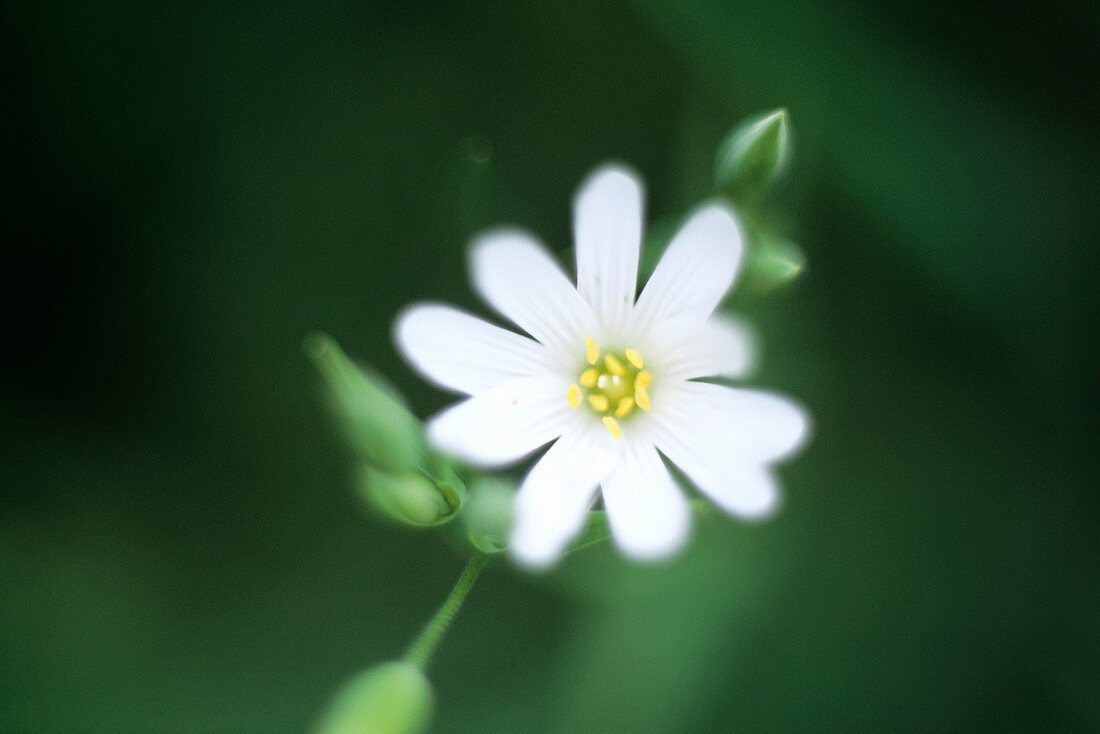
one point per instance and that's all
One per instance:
(607, 231)
(685, 348)
(553, 501)
(648, 513)
(504, 424)
(515, 275)
(695, 271)
(723, 438)
(461, 352)
(750, 492)
(726, 421)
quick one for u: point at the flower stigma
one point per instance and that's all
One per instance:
(612, 386)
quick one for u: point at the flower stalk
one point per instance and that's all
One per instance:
(421, 650)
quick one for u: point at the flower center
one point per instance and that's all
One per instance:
(612, 384)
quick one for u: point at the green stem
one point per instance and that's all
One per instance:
(420, 652)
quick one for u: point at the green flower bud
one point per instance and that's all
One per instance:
(488, 514)
(391, 698)
(410, 497)
(771, 263)
(753, 156)
(375, 424)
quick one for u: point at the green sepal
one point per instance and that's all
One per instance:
(411, 497)
(448, 482)
(374, 422)
(753, 156)
(488, 515)
(771, 262)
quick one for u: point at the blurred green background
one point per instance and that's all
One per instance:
(192, 188)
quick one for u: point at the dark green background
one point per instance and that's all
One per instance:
(192, 188)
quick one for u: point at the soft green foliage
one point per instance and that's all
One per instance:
(391, 698)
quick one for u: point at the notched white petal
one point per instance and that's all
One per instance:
(461, 352)
(553, 501)
(724, 439)
(521, 280)
(607, 230)
(504, 424)
(696, 270)
(756, 424)
(760, 497)
(648, 513)
(750, 492)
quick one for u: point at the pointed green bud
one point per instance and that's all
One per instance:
(391, 698)
(375, 424)
(771, 263)
(488, 514)
(753, 156)
(410, 497)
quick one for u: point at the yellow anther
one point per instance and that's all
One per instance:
(591, 350)
(612, 426)
(613, 384)
(599, 403)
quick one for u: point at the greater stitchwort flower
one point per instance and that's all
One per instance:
(612, 381)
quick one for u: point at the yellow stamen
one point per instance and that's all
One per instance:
(591, 350)
(599, 403)
(613, 384)
(612, 426)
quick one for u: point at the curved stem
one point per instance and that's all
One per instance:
(420, 651)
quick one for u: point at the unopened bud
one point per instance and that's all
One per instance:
(753, 156)
(488, 514)
(391, 698)
(410, 497)
(771, 263)
(375, 424)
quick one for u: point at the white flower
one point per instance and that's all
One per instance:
(608, 380)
